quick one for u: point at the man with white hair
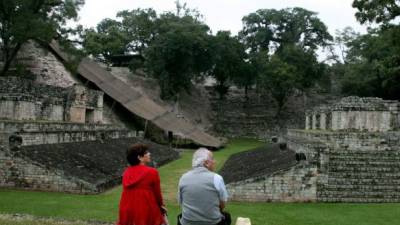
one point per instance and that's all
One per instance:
(202, 193)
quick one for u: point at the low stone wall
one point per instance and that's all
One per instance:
(346, 140)
(37, 133)
(297, 184)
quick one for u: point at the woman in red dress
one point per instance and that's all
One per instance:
(141, 200)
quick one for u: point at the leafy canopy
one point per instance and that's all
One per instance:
(282, 46)
(378, 11)
(270, 29)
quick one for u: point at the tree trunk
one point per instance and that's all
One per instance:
(8, 60)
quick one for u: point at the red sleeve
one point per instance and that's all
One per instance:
(157, 188)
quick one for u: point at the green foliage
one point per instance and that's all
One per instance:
(373, 64)
(108, 39)
(229, 58)
(22, 20)
(180, 52)
(379, 11)
(270, 29)
(282, 46)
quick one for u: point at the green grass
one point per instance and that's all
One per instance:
(104, 207)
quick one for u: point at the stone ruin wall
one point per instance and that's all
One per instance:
(45, 65)
(22, 99)
(256, 117)
(360, 162)
(38, 133)
(344, 165)
(20, 172)
(297, 184)
(354, 113)
(48, 106)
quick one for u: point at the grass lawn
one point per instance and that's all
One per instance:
(104, 207)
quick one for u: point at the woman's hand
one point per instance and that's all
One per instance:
(164, 209)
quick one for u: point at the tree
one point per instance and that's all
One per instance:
(286, 38)
(292, 68)
(269, 29)
(132, 34)
(373, 64)
(229, 58)
(379, 11)
(343, 39)
(22, 20)
(180, 52)
(140, 26)
(107, 40)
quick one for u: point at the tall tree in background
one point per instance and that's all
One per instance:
(132, 32)
(22, 20)
(372, 65)
(180, 52)
(107, 40)
(282, 45)
(228, 59)
(269, 29)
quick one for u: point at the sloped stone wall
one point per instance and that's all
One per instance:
(85, 167)
(45, 65)
(297, 184)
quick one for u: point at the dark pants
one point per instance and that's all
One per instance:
(226, 219)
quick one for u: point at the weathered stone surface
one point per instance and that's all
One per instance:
(354, 113)
(85, 167)
(257, 162)
(23, 99)
(270, 174)
(45, 65)
(257, 116)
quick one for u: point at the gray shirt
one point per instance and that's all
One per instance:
(199, 194)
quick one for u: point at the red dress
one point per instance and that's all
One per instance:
(141, 198)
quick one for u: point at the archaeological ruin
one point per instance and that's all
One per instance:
(349, 152)
(59, 131)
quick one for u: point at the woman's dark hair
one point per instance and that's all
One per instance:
(134, 152)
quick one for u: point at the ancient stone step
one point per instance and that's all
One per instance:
(370, 181)
(364, 175)
(377, 170)
(358, 200)
(377, 163)
(362, 188)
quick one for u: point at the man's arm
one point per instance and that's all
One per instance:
(223, 194)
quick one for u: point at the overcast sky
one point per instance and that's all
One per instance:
(226, 14)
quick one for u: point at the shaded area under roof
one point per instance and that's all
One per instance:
(137, 103)
(257, 162)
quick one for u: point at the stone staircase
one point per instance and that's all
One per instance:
(361, 176)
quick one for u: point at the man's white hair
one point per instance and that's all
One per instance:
(200, 156)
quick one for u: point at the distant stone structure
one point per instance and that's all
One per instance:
(354, 113)
(23, 99)
(57, 134)
(349, 152)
